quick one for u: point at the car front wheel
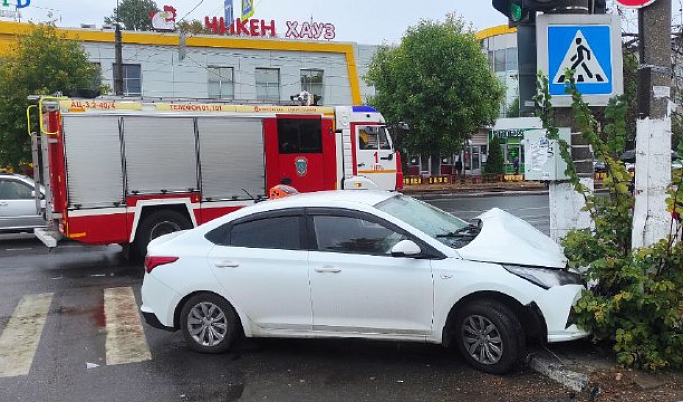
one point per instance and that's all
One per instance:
(489, 336)
(209, 323)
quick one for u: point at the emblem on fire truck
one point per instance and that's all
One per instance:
(301, 164)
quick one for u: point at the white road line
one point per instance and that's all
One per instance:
(126, 342)
(19, 249)
(19, 340)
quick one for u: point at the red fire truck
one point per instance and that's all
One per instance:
(122, 171)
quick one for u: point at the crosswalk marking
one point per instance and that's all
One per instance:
(126, 342)
(21, 336)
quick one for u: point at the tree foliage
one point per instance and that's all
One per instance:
(40, 63)
(194, 27)
(437, 80)
(513, 108)
(134, 14)
(636, 302)
(494, 162)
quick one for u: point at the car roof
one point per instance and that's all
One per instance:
(349, 199)
(331, 198)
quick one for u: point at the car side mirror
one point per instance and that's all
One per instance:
(406, 248)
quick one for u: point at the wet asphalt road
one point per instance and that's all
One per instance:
(70, 359)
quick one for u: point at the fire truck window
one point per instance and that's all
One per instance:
(384, 139)
(299, 136)
(367, 138)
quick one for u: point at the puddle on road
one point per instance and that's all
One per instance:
(96, 313)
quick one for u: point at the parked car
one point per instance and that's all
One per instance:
(18, 209)
(376, 265)
(629, 159)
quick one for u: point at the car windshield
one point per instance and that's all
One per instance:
(436, 223)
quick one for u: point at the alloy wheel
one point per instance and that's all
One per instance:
(207, 324)
(482, 340)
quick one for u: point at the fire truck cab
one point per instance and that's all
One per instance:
(127, 171)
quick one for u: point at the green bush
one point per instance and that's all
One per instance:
(636, 302)
(494, 161)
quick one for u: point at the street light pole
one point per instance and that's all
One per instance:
(118, 55)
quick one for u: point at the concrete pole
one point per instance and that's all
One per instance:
(566, 204)
(651, 222)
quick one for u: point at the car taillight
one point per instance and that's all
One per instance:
(153, 262)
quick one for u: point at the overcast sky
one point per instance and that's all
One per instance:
(362, 21)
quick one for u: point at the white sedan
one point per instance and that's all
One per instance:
(375, 265)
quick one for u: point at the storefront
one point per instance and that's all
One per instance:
(510, 133)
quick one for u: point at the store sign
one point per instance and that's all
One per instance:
(635, 3)
(164, 20)
(514, 133)
(14, 14)
(18, 3)
(262, 28)
(310, 30)
(254, 28)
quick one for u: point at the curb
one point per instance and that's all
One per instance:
(435, 195)
(576, 382)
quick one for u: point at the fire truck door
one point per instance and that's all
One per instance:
(300, 152)
(375, 157)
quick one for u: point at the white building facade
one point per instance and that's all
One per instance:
(239, 69)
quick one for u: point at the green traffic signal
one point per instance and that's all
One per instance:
(516, 12)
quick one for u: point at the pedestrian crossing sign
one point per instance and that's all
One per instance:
(587, 45)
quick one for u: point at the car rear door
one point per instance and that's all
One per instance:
(357, 286)
(262, 266)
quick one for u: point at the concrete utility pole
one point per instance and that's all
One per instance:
(565, 203)
(651, 222)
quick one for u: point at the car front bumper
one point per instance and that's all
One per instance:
(556, 304)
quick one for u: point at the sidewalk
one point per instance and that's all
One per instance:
(592, 372)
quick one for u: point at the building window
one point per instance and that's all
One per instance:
(132, 79)
(268, 84)
(312, 81)
(221, 82)
(511, 60)
(499, 61)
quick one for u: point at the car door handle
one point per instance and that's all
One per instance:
(227, 264)
(330, 270)
(361, 164)
(4, 204)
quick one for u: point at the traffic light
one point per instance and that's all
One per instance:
(513, 9)
(543, 5)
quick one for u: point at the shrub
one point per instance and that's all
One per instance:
(637, 300)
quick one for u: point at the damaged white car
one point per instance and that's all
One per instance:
(366, 264)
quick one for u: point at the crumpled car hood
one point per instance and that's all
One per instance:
(507, 239)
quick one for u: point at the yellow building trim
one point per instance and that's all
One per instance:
(495, 31)
(8, 30)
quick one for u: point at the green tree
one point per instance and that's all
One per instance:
(676, 132)
(194, 27)
(40, 63)
(494, 162)
(134, 14)
(437, 80)
(513, 108)
(631, 94)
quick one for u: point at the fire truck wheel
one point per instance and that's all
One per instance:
(158, 224)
